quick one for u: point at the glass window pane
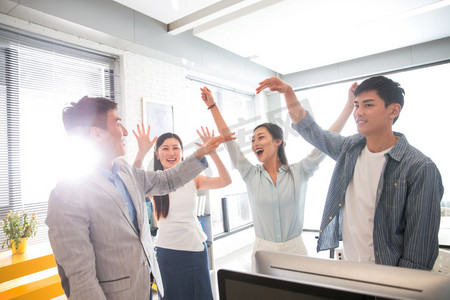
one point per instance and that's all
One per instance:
(423, 120)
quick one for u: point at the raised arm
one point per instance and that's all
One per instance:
(144, 144)
(347, 111)
(211, 104)
(297, 112)
(164, 182)
(211, 145)
(238, 160)
(224, 179)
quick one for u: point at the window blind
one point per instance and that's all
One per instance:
(38, 76)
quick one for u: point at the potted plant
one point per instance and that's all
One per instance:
(18, 226)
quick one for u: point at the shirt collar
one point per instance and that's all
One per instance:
(399, 149)
(281, 169)
(397, 152)
(109, 174)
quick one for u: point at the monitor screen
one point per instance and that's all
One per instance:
(235, 285)
(368, 279)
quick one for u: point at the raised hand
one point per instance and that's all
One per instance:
(207, 97)
(205, 135)
(274, 84)
(351, 93)
(211, 145)
(347, 111)
(143, 138)
(144, 143)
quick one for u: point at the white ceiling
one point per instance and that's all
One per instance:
(288, 36)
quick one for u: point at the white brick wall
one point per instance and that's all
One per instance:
(147, 77)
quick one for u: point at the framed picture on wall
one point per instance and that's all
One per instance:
(158, 115)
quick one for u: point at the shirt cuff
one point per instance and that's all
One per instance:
(203, 162)
(305, 123)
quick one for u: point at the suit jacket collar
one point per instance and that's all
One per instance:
(135, 198)
(101, 181)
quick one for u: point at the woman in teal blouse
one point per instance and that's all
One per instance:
(275, 188)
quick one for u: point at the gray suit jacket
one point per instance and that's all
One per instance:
(98, 251)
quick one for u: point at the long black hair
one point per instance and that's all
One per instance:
(162, 202)
(277, 134)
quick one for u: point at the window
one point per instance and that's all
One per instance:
(38, 77)
(238, 110)
(423, 120)
(236, 211)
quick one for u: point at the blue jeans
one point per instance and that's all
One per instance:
(185, 274)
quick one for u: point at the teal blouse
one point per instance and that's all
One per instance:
(278, 211)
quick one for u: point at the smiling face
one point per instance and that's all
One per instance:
(264, 146)
(371, 114)
(169, 153)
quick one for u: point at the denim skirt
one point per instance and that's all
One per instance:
(185, 274)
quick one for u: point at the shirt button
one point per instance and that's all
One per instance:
(331, 218)
(395, 184)
(340, 204)
(145, 263)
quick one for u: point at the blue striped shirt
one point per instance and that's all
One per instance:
(407, 213)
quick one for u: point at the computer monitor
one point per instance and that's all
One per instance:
(365, 279)
(235, 285)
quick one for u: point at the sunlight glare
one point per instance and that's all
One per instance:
(80, 158)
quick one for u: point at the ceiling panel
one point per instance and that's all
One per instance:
(167, 11)
(294, 35)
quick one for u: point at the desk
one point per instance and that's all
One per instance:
(37, 258)
(444, 238)
(444, 232)
(32, 275)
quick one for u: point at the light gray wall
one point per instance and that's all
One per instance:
(110, 23)
(113, 24)
(408, 57)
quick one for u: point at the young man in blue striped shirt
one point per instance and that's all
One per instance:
(384, 197)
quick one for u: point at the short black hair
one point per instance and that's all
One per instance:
(388, 90)
(79, 117)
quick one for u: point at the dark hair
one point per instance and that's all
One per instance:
(277, 133)
(79, 117)
(162, 203)
(388, 90)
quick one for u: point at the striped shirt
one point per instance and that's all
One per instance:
(407, 213)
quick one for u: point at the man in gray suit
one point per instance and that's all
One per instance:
(98, 225)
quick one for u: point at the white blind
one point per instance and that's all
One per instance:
(38, 77)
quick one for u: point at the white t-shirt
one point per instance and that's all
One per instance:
(181, 230)
(359, 208)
